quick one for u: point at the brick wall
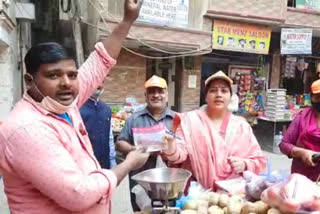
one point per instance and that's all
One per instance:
(127, 78)
(191, 96)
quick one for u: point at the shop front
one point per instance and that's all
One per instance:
(297, 67)
(241, 50)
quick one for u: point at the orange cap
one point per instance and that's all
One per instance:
(156, 81)
(218, 75)
(315, 87)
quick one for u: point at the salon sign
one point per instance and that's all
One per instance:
(241, 37)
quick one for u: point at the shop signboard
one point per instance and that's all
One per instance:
(296, 41)
(308, 4)
(172, 13)
(233, 36)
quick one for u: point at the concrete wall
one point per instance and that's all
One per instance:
(10, 76)
(269, 10)
(299, 18)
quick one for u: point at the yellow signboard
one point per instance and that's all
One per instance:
(233, 36)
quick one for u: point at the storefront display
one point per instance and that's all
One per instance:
(250, 87)
(121, 113)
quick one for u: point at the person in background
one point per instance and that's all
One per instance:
(296, 85)
(96, 116)
(46, 160)
(216, 145)
(156, 94)
(301, 141)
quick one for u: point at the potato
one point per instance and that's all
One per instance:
(223, 200)
(273, 211)
(249, 208)
(215, 210)
(203, 207)
(214, 198)
(237, 198)
(234, 206)
(225, 210)
(190, 205)
(188, 212)
(261, 207)
(205, 196)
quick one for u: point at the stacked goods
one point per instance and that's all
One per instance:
(117, 123)
(271, 193)
(245, 86)
(121, 114)
(276, 103)
(224, 204)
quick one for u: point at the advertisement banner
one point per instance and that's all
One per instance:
(296, 41)
(233, 36)
(172, 13)
(308, 4)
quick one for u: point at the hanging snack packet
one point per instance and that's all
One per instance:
(151, 137)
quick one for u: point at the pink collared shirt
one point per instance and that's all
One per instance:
(48, 165)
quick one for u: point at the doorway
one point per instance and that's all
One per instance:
(171, 71)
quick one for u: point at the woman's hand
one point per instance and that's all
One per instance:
(170, 145)
(305, 155)
(238, 164)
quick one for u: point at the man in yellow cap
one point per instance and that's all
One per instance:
(156, 94)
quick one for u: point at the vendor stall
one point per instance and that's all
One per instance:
(271, 193)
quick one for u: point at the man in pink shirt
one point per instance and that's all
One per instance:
(46, 159)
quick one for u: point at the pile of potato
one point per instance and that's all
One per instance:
(223, 204)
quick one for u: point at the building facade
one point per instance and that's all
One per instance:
(149, 44)
(14, 41)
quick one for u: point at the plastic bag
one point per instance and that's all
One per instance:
(160, 163)
(256, 184)
(196, 191)
(151, 137)
(297, 194)
(142, 199)
(234, 186)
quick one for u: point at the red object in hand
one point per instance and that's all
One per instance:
(175, 123)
